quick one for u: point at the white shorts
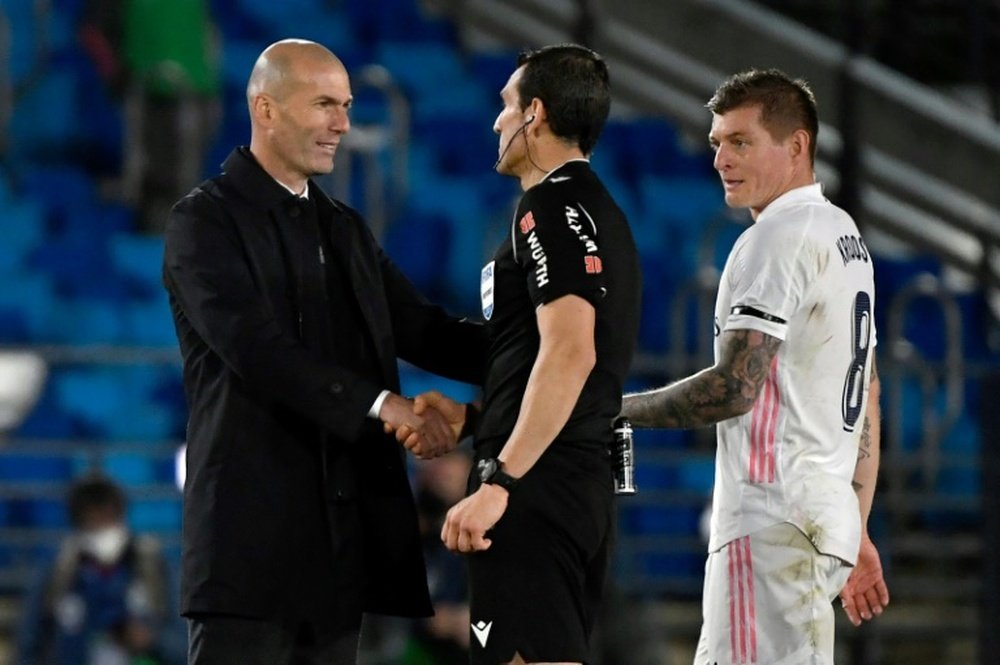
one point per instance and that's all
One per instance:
(768, 599)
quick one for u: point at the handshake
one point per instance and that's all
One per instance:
(430, 425)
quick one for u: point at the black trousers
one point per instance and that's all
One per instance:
(224, 640)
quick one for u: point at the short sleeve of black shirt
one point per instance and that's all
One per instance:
(555, 242)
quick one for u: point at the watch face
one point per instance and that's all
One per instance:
(486, 468)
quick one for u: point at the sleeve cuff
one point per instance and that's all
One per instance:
(377, 406)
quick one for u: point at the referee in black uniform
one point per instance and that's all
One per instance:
(561, 303)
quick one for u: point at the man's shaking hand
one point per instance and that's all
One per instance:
(435, 428)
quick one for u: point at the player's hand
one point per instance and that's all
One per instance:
(865, 595)
(433, 404)
(468, 520)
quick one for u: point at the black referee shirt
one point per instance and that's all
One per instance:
(568, 237)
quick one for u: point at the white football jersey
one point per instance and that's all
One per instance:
(802, 274)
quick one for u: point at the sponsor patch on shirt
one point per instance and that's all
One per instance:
(527, 222)
(576, 225)
(593, 264)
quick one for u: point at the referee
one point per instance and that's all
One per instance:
(561, 303)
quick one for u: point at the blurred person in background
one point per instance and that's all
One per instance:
(298, 513)
(161, 59)
(794, 392)
(444, 638)
(106, 599)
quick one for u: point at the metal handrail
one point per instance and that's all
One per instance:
(906, 359)
(651, 74)
(383, 199)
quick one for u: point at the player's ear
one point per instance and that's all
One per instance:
(798, 143)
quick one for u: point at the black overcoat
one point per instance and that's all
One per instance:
(261, 403)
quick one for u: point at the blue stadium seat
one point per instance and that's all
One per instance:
(114, 403)
(45, 122)
(458, 201)
(63, 190)
(130, 470)
(654, 147)
(138, 261)
(47, 513)
(666, 519)
(679, 567)
(155, 515)
(439, 66)
(40, 468)
(697, 474)
(419, 245)
(654, 476)
(80, 267)
(149, 323)
(414, 381)
(464, 94)
(238, 58)
(26, 303)
(47, 420)
(145, 422)
(86, 321)
(676, 211)
(461, 142)
(23, 232)
(665, 439)
(398, 20)
(93, 398)
(21, 16)
(493, 69)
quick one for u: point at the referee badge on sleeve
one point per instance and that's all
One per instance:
(486, 289)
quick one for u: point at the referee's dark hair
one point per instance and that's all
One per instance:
(786, 104)
(572, 81)
(94, 491)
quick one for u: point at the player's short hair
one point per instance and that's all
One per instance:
(572, 81)
(94, 492)
(786, 104)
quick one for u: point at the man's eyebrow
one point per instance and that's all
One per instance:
(328, 98)
(729, 135)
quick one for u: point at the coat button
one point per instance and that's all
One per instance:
(337, 388)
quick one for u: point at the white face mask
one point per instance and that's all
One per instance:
(106, 545)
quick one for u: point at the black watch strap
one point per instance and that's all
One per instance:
(498, 476)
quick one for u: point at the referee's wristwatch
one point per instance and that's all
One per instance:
(491, 473)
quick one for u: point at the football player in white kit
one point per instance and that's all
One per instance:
(794, 392)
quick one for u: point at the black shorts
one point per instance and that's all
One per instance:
(535, 592)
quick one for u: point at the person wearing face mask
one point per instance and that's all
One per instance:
(105, 599)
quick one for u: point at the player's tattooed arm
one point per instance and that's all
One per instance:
(726, 390)
(866, 468)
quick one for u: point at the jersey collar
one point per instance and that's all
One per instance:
(568, 161)
(806, 194)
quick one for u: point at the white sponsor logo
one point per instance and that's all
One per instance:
(486, 283)
(560, 178)
(482, 631)
(541, 261)
(573, 221)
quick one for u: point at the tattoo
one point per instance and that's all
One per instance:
(728, 389)
(865, 445)
(857, 486)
